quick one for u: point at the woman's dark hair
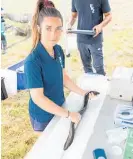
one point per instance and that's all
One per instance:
(44, 8)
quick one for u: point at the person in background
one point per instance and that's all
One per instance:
(3, 36)
(45, 69)
(90, 15)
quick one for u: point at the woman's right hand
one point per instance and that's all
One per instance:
(75, 117)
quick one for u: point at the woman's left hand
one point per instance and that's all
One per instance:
(92, 94)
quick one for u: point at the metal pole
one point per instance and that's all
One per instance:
(64, 12)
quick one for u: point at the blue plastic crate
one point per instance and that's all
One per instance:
(21, 85)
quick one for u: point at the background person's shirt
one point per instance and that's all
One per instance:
(43, 71)
(90, 13)
(2, 24)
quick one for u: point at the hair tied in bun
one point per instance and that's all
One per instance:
(49, 4)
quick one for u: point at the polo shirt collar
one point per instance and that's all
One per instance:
(43, 52)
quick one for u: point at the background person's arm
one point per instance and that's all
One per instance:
(107, 19)
(106, 10)
(72, 20)
(73, 16)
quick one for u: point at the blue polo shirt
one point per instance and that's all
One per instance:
(90, 13)
(43, 71)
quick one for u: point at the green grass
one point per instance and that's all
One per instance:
(118, 50)
(17, 134)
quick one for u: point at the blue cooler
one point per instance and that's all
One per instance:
(19, 68)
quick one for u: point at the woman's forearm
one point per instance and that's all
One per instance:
(46, 104)
(68, 83)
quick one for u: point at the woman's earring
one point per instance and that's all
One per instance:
(39, 30)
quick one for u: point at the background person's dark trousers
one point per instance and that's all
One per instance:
(89, 53)
(3, 43)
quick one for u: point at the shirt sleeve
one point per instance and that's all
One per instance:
(73, 7)
(105, 6)
(33, 75)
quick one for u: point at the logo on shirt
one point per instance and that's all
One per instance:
(92, 8)
(60, 61)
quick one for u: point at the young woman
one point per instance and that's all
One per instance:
(44, 69)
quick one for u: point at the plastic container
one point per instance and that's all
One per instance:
(99, 154)
(19, 69)
(121, 84)
(10, 81)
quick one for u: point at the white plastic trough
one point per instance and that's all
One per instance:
(10, 80)
(50, 144)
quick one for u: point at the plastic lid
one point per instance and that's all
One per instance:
(117, 150)
(101, 157)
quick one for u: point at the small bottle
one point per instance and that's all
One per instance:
(99, 154)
